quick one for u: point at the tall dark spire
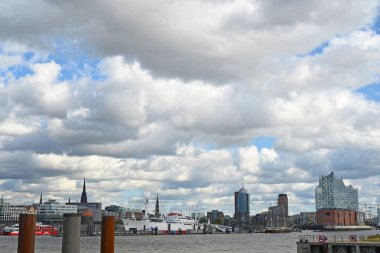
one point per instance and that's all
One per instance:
(83, 198)
(41, 199)
(157, 209)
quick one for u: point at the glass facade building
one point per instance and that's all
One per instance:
(242, 201)
(332, 193)
(242, 208)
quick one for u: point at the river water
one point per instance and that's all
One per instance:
(255, 243)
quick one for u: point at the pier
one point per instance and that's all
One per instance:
(338, 244)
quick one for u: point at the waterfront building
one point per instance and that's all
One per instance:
(276, 217)
(52, 211)
(307, 219)
(242, 208)
(332, 193)
(336, 203)
(10, 213)
(215, 217)
(260, 219)
(282, 200)
(118, 211)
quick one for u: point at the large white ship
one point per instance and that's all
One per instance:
(172, 222)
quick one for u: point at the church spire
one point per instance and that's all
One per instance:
(41, 199)
(83, 198)
(157, 209)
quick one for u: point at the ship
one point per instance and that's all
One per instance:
(40, 229)
(174, 223)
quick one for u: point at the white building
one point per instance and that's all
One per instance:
(332, 193)
(9, 213)
(52, 211)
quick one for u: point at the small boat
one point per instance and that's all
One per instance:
(39, 229)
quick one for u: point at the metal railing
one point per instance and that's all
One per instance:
(336, 238)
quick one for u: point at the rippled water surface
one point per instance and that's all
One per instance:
(256, 243)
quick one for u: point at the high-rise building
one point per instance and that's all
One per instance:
(283, 201)
(242, 207)
(331, 193)
(336, 203)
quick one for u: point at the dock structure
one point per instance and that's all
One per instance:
(338, 244)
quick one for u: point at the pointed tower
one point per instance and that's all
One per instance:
(41, 199)
(69, 201)
(157, 209)
(83, 198)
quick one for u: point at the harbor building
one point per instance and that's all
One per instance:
(307, 219)
(10, 214)
(336, 203)
(242, 208)
(282, 200)
(52, 211)
(118, 211)
(276, 217)
(215, 217)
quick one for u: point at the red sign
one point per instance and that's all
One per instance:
(322, 238)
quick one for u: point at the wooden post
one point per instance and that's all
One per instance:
(108, 234)
(26, 238)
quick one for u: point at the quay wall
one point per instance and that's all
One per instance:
(337, 244)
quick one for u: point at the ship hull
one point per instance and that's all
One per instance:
(159, 225)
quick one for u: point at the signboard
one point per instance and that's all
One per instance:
(322, 238)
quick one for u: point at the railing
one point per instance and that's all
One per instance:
(335, 238)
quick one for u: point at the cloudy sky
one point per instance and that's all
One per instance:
(188, 100)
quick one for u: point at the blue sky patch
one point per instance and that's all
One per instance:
(371, 91)
(317, 50)
(376, 24)
(263, 142)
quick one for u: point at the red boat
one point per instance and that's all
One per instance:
(39, 230)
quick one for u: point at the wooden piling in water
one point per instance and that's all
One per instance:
(108, 234)
(26, 238)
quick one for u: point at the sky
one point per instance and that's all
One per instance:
(189, 100)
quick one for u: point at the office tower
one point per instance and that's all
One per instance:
(283, 201)
(242, 207)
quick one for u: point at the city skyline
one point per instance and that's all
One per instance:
(185, 98)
